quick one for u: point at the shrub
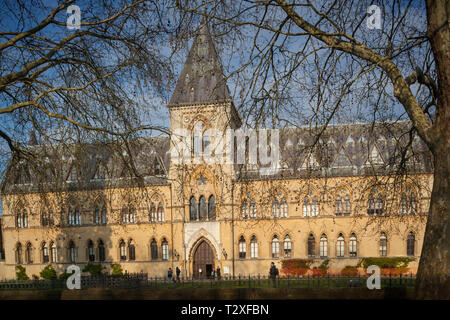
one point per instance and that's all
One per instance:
(21, 273)
(349, 271)
(116, 269)
(94, 269)
(48, 273)
(296, 267)
(394, 265)
(323, 268)
(64, 275)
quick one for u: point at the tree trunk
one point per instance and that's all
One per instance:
(433, 277)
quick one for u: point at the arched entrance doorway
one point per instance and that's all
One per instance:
(203, 260)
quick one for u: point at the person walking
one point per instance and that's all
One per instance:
(212, 274)
(218, 273)
(169, 275)
(273, 272)
(178, 271)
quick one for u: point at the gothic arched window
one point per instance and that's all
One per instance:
(193, 215)
(242, 248)
(91, 251)
(352, 248)
(154, 249)
(410, 244)
(165, 249)
(323, 246)
(275, 247)
(72, 252)
(283, 208)
(152, 216)
(211, 208)
(54, 255)
(160, 213)
(340, 246)
(122, 250)
(74, 218)
(287, 244)
(131, 250)
(383, 245)
(45, 255)
(100, 213)
(311, 246)
(202, 208)
(101, 251)
(253, 248)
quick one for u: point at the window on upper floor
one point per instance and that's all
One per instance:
(287, 246)
(242, 248)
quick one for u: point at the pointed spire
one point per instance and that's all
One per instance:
(202, 79)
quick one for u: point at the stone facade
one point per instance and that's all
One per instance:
(342, 206)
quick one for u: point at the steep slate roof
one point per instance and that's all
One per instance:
(94, 166)
(202, 80)
(347, 150)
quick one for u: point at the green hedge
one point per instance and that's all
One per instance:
(395, 262)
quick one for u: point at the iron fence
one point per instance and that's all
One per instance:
(143, 281)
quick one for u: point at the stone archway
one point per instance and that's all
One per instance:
(203, 260)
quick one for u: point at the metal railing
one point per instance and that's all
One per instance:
(143, 281)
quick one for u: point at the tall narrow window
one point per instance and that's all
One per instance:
(45, 255)
(383, 245)
(128, 214)
(19, 253)
(74, 218)
(311, 246)
(412, 204)
(275, 208)
(379, 205)
(91, 251)
(306, 207)
(283, 208)
(72, 252)
(165, 249)
(193, 209)
(131, 250)
(101, 251)
(315, 207)
(275, 247)
(22, 218)
(287, 247)
(347, 206)
(197, 138)
(160, 213)
(410, 244)
(29, 253)
(202, 208)
(152, 213)
(122, 250)
(338, 206)
(154, 249)
(100, 213)
(47, 217)
(211, 208)
(340, 246)
(242, 248)
(253, 248)
(323, 246)
(403, 204)
(352, 248)
(53, 252)
(244, 209)
(370, 205)
(252, 209)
